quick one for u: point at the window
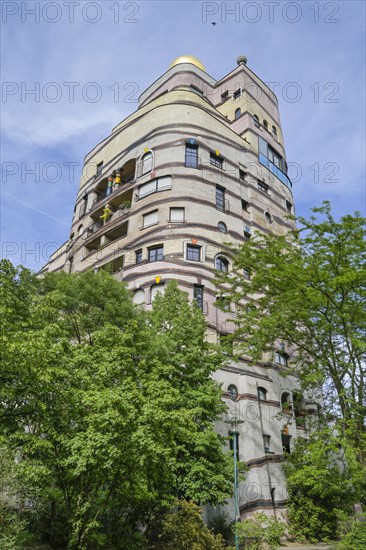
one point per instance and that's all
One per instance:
(191, 160)
(99, 168)
(158, 184)
(274, 132)
(216, 160)
(220, 198)
(196, 90)
(242, 175)
(233, 391)
(273, 161)
(267, 443)
(139, 297)
(155, 289)
(247, 234)
(150, 219)
(193, 253)
(231, 443)
(246, 273)
(222, 264)
(146, 164)
(224, 96)
(237, 94)
(245, 205)
(82, 208)
(262, 186)
(138, 256)
(155, 253)
(80, 230)
(274, 158)
(289, 207)
(176, 215)
(198, 295)
(281, 358)
(256, 121)
(222, 227)
(265, 124)
(286, 443)
(268, 217)
(237, 114)
(262, 394)
(286, 405)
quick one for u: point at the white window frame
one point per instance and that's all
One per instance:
(158, 184)
(182, 211)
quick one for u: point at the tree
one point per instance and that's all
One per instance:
(184, 529)
(323, 481)
(261, 531)
(106, 415)
(308, 289)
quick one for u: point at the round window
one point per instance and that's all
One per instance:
(268, 216)
(222, 227)
(233, 391)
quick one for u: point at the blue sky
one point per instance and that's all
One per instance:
(87, 63)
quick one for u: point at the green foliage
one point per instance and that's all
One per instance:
(355, 539)
(323, 481)
(309, 289)
(261, 531)
(221, 524)
(184, 529)
(107, 411)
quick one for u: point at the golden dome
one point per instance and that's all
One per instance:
(188, 59)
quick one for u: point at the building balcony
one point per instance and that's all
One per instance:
(102, 233)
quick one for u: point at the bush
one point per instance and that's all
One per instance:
(356, 538)
(261, 531)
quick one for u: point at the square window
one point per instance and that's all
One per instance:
(281, 358)
(176, 215)
(138, 255)
(224, 96)
(191, 158)
(220, 198)
(155, 253)
(262, 186)
(216, 160)
(193, 253)
(151, 218)
(237, 94)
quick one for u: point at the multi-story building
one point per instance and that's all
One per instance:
(200, 163)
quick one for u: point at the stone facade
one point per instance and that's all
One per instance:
(199, 164)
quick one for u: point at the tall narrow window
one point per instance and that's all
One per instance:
(265, 124)
(99, 168)
(242, 174)
(193, 253)
(150, 219)
(224, 96)
(82, 209)
(191, 160)
(216, 160)
(245, 205)
(198, 295)
(138, 256)
(274, 132)
(289, 207)
(146, 164)
(237, 114)
(256, 121)
(220, 198)
(267, 443)
(286, 443)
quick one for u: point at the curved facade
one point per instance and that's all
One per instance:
(200, 163)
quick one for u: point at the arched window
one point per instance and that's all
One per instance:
(265, 124)
(145, 164)
(80, 230)
(256, 120)
(222, 264)
(268, 217)
(237, 113)
(274, 132)
(155, 289)
(286, 402)
(233, 391)
(262, 393)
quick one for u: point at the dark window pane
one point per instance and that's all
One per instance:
(220, 198)
(138, 256)
(191, 156)
(193, 252)
(155, 254)
(198, 295)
